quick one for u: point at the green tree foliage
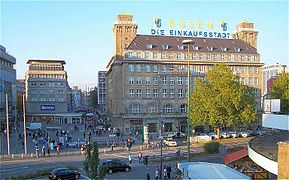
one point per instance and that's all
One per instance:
(91, 161)
(280, 90)
(211, 147)
(219, 99)
(93, 99)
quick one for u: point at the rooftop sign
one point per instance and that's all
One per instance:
(190, 28)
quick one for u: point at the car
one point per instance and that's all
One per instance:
(170, 142)
(179, 135)
(225, 135)
(203, 136)
(213, 135)
(63, 173)
(116, 165)
(234, 134)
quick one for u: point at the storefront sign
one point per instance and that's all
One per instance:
(47, 107)
(190, 28)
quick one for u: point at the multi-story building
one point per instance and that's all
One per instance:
(147, 76)
(7, 85)
(271, 71)
(101, 90)
(46, 86)
(20, 92)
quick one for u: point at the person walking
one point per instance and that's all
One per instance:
(58, 149)
(169, 170)
(43, 151)
(157, 173)
(165, 174)
(129, 159)
(37, 151)
(48, 149)
(139, 157)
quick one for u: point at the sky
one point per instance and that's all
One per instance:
(80, 32)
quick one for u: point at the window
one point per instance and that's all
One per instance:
(164, 68)
(172, 93)
(131, 93)
(138, 68)
(201, 56)
(250, 70)
(164, 80)
(138, 81)
(202, 69)
(152, 109)
(235, 57)
(171, 68)
(148, 93)
(180, 93)
(149, 46)
(180, 47)
(148, 68)
(172, 80)
(129, 55)
(237, 69)
(138, 54)
(180, 68)
(229, 57)
(186, 93)
(256, 70)
(243, 80)
(165, 46)
(208, 56)
(165, 93)
(256, 81)
(194, 56)
(168, 108)
(215, 57)
(178, 56)
(242, 58)
(147, 55)
(138, 93)
(243, 69)
(237, 49)
(148, 80)
(155, 93)
(135, 108)
(186, 56)
(250, 80)
(163, 56)
(186, 80)
(183, 108)
(249, 58)
(171, 56)
(222, 57)
(155, 80)
(155, 55)
(155, 68)
(180, 80)
(255, 58)
(210, 48)
(131, 81)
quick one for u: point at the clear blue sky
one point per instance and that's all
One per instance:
(81, 32)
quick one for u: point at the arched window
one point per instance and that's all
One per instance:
(183, 108)
(134, 108)
(168, 108)
(152, 108)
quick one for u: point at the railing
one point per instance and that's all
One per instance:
(154, 115)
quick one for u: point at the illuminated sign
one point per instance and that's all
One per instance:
(47, 107)
(190, 28)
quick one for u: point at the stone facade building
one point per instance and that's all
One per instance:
(147, 76)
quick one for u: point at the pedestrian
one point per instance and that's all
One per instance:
(57, 133)
(165, 175)
(157, 173)
(83, 134)
(148, 176)
(58, 149)
(43, 150)
(129, 159)
(37, 150)
(48, 149)
(169, 170)
(139, 157)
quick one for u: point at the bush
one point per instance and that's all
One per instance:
(211, 147)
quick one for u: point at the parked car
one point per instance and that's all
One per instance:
(63, 173)
(245, 134)
(203, 136)
(225, 135)
(179, 135)
(170, 142)
(234, 134)
(213, 135)
(116, 165)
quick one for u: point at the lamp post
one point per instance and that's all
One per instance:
(188, 42)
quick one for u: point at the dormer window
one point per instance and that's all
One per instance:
(237, 49)
(181, 47)
(149, 46)
(196, 48)
(210, 48)
(165, 46)
(225, 49)
(129, 55)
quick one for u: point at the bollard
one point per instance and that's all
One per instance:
(22, 156)
(12, 156)
(104, 150)
(31, 155)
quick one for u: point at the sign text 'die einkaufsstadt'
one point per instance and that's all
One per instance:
(191, 29)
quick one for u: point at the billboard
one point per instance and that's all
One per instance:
(47, 107)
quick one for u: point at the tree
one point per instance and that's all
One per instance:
(280, 90)
(93, 99)
(220, 100)
(91, 161)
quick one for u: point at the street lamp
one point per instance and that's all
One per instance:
(188, 42)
